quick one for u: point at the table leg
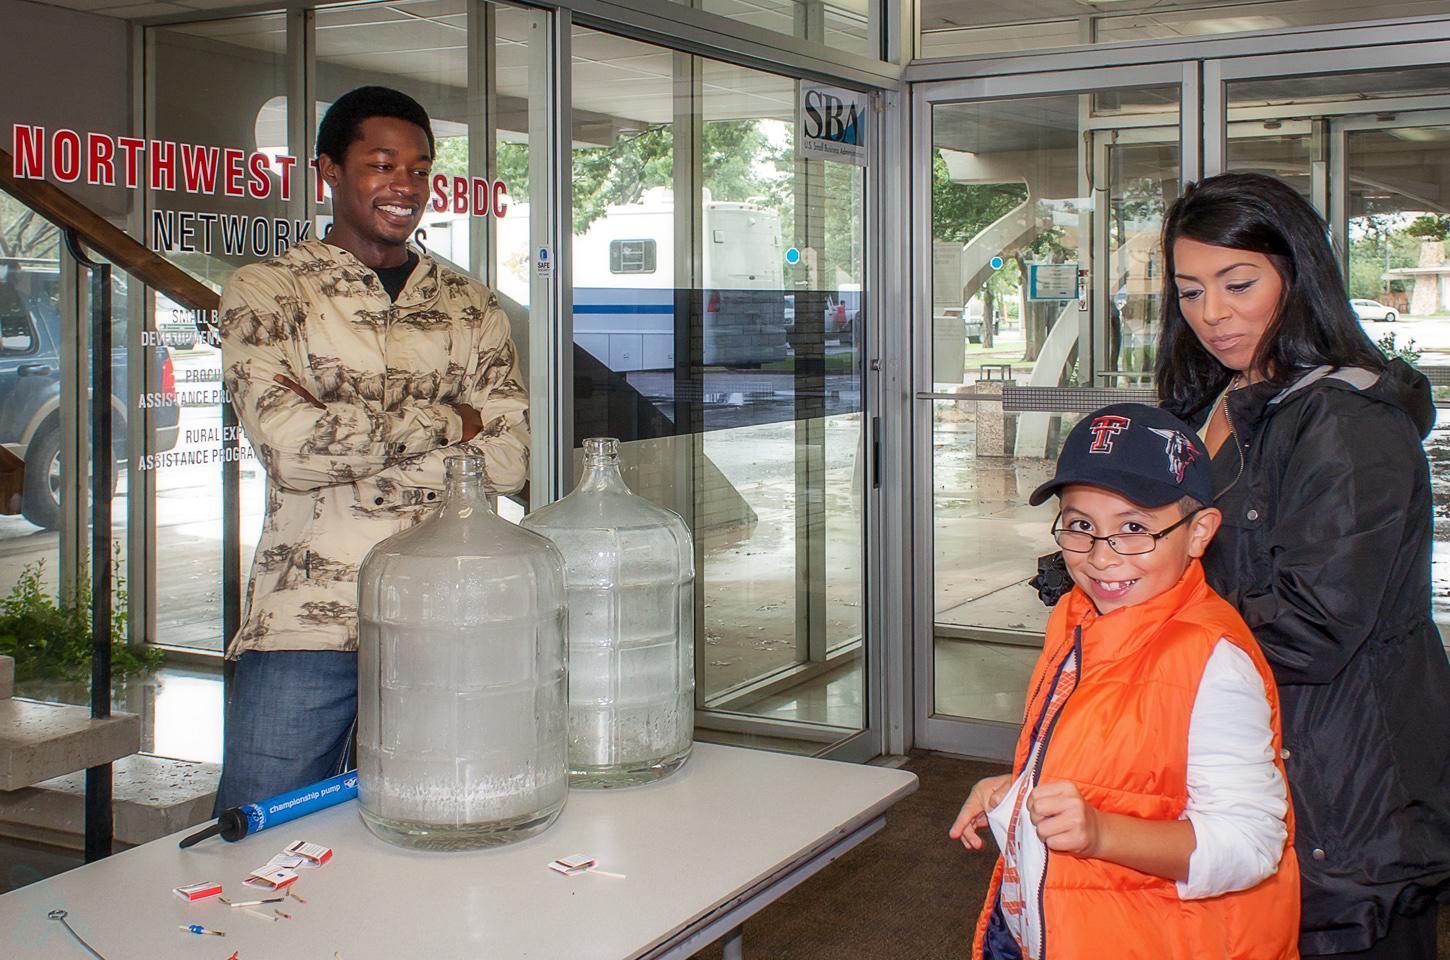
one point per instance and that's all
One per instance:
(734, 946)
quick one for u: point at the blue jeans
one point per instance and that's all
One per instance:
(290, 718)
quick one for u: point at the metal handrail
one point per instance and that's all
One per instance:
(70, 215)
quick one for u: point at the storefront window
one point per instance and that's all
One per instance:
(217, 96)
(218, 176)
(732, 368)
(1046, 273)
(1375, 174)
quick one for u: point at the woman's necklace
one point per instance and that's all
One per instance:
(1238, 381)
(1234, 384)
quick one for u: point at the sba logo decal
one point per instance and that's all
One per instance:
(828, 117)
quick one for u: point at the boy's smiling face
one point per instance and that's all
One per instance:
(1113, 580)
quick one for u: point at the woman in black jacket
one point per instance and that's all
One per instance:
(1325, 549)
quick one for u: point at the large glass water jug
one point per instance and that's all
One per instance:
(630, 569)
(461, 677)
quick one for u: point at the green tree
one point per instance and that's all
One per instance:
(960, 211)
(1379, 247)
(24, 233)
(513, 169)
(735, 158)
(1430, 226)
(511, 164)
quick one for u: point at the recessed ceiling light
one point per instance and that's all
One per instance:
(1421, 134)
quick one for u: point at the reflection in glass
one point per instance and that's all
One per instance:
(1026, 258)
(219, 84)
(840, 24)
(731, 368)
(1399, 277)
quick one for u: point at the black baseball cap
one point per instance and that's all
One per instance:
(1143, 453)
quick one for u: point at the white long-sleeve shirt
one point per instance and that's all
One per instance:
(1237, 799)
(1236, 795)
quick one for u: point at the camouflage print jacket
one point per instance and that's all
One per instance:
(370, 464)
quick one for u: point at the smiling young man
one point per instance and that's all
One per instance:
(356, 364)
(1147, 813)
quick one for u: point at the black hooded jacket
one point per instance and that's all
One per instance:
(1325, 551)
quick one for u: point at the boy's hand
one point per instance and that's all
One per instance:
(1064, 820)
(973, 816)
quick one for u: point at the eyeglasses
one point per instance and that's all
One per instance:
(1123, 544)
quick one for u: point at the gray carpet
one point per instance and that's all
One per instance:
(909, 892)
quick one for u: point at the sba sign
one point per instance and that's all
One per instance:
(832, 124)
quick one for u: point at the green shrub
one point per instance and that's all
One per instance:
(1408, 351)
(53, 640)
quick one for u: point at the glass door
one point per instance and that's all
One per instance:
(1365, 144)
(1042, 223)
(719, 308)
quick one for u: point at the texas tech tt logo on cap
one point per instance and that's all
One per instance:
(1103, 430)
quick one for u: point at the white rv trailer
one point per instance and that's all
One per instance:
(624, 280)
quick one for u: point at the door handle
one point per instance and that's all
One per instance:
(33, 370)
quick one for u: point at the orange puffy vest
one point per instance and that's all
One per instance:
(1122, 739)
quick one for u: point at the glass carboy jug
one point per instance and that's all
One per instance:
(461, 677)
(630, 569)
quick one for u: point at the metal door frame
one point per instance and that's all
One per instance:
(984, 738)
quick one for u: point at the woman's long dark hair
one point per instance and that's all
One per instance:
(1315, 324)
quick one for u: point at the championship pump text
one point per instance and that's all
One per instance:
(165, 165)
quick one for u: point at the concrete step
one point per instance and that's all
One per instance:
(152, 797)
(43, 740)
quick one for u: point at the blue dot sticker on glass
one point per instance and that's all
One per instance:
(792, 255)
(996, 263)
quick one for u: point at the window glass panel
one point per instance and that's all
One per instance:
(217, 85)
(421, 48)
(840, 24)
(17, 332)
(1027, 260)
(732, 370)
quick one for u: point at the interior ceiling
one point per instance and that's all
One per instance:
(1037, 123)
(625, 84)
(1006, 126)
(950, 14)
(1358, 85)
(1230, 15)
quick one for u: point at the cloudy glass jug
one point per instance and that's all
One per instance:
(461, 677)
(630, 569)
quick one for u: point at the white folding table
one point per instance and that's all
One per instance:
(700, 851)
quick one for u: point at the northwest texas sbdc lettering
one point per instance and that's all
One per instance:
(166, 166)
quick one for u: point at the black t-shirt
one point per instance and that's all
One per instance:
(394, 279)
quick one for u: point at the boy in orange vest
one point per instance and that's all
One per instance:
(1147, 813)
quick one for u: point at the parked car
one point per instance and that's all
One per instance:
(1373, 310)
(30, 382)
